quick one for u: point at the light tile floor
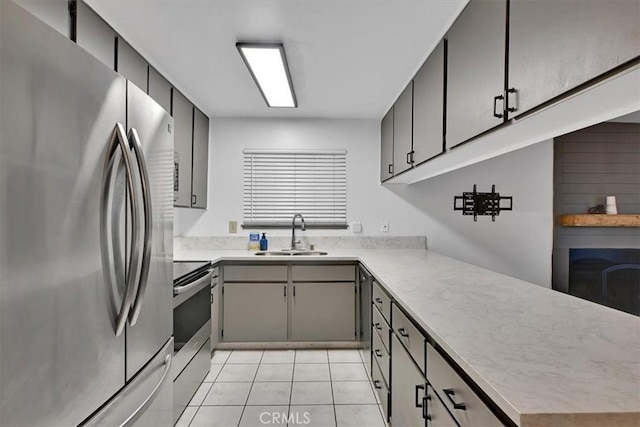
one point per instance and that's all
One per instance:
(314, 388)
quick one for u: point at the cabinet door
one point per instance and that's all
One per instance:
(323, 312)
(386, 146)
(131, 65)
(402, 130)
(475, 70)
(182, 112)
(254, 312)
(555, 46)
(94, 35)
(428, 107)
(159, 89)
(200, 170)
(54, 13)
(215, 315)
(408, 389)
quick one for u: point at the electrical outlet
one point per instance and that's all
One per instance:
(384, 226)
(233, 226)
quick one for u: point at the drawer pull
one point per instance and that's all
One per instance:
(419, 402)
(450, 393)
(377, 385)
(377, 352)
(377, 326)
(378, 300)
(425, 410)
(403, 333)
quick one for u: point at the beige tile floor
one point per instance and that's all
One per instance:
(314, 388)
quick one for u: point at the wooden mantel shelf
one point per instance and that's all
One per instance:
(600, 220)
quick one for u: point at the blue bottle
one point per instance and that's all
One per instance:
(264, 243)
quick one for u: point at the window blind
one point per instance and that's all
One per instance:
(279, 184)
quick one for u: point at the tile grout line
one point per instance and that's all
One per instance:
(333, 398)
(250, 388)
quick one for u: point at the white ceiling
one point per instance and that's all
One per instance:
(348, 58)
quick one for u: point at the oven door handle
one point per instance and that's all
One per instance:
(200, 282)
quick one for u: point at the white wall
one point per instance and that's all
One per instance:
(519, 243)
(367, 201)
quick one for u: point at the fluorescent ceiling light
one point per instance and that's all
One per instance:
(268, 66)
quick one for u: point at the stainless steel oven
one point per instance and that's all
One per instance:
(191, 330)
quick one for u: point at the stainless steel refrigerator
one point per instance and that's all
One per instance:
(86, 232)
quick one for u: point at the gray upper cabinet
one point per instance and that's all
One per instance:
(200, 159)
(402, 130)
(386, 146)
(94, 35)
(182, 112)
(428, 107)
(476, 70)
(555, 46)
(131, 65)
(54, 13)
(159, 89)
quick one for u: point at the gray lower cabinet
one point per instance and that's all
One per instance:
(131, 65)
(555, 46)
(94, 35)
(54, 13)
(199, 173)
(323, 312)
(408, 390)
(428, 107)
(159, 89)
(386, 146)
(254, 312)
(476, 70)
(182, 112)
(402, 130)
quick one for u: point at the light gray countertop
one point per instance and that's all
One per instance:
(544, 357)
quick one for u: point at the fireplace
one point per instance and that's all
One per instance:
(609, 277)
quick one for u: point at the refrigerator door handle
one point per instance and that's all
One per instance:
(117, 141)
(134, 141)
(143, 407)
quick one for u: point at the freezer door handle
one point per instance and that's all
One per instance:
(134, 141)
(143, 407)
(117, 141)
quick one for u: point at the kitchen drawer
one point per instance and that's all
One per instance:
(381, 388)
(382, 301)
(255, 273)
(323, 273)
(436, 411)
(462, 402)
(410, 336)
(381, 327)
(381, 356)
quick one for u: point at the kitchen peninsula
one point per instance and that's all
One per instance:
(542, 357)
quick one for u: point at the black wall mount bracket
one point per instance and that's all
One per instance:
(474, 203)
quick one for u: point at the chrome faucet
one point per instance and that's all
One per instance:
(294, 242)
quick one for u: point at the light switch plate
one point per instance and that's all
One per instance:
(233, 226)
(356, 227)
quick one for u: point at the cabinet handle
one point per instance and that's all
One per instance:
(194, 199)
(450, 393)
(403, 333)
(409, 158)
(378, 300)
(376, 384)
(377, 326)
(419, 402)
(285, 291)
(495, 105)
(294, 291)
(390, 168)
(513, 91)
(377, 352)
(425, 410)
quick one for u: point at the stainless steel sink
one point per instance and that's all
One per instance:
(290, 253)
